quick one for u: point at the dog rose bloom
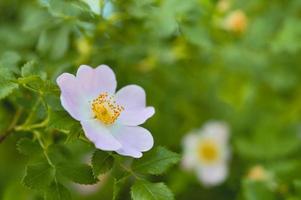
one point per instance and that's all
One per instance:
(206, 152)
(109, 119)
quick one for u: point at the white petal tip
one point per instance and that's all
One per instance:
(63, 77)
(152, 111)
(137, 155)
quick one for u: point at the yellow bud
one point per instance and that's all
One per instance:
(257, 173)
(83, 46)
(236, 22)
(223, 5)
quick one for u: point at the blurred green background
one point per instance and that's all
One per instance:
(195, 66)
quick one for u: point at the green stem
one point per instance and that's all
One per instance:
(12, 125)
(45, 149)
(30, 116)
(25, 127)
(38, 136)
(30, 88)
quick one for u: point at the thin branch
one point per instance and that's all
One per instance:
(12, 125)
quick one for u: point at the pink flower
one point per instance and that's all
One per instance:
(109, 119)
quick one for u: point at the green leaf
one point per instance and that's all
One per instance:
(10, 60)
(28, 147)
(78, 173)
(156, 162)
(14, 190)
(101, 162)
(288, 38)
(37, 83)
(54, 42)
(286, 170)
(118, 184)
(61, 42)
(254, 190)
(267, 146)
(59, 153)
(38, 176)
(32, 69)
(74, 133)
(143, 190)
(60, 120)
(7, 86)
(297, 186)
(67, 8)
(56, 191)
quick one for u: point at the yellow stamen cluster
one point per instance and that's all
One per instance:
(106, 109)
(208, 151)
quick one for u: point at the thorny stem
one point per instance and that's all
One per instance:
(12, 125)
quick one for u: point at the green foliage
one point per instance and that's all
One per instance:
(58, 45)
(32, 69)
(118, 184)
(101, 162)
(57, 191)
(257, 190)
(156, 162)
(60, 120)
(193, 69)
(150, 191)
(78, 173)
(28, 147)
(7, 84)
(262, 146)
(38, 176)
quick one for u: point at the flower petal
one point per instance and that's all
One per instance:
(136, 117)
(95, 81)
(190, 158)
(100, 135)
(133, 99)
(213, 175)
(71, 97)
(134, 140)
(217, 130)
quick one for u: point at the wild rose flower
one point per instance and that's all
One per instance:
(110, 120)
(206, 152)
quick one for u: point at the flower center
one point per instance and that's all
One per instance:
(105, 109)
(208, 151)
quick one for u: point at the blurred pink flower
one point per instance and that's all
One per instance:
(110, 120)
(206, 151)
